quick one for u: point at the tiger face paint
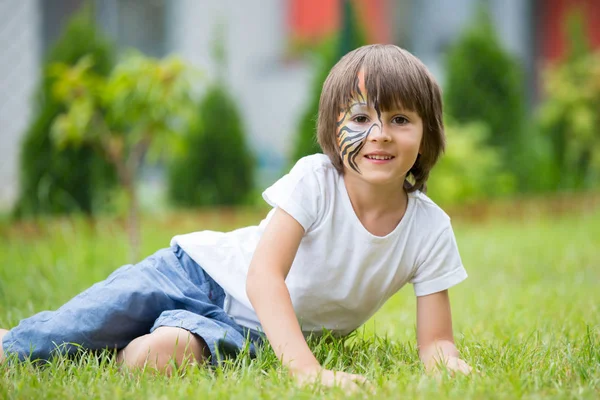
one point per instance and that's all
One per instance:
(352, 135)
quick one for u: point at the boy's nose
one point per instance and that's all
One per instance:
(379, 134)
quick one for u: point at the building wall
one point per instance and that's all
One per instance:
(19, 66)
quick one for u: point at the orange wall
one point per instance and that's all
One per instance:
(311, 20)
(552, 27)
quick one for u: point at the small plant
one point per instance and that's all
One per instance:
(141, 107)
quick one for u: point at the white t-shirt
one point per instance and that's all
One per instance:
(342, 273)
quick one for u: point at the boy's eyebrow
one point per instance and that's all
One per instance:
(358, 105)
(407, 111)
(401, 110)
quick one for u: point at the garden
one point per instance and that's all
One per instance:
(520, 183)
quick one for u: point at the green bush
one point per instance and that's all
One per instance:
(470, 170)
(570, 115)
(216, 167)
(54, 181)
(306, 137)
(350, 37)
(538, 173)
(483, 83)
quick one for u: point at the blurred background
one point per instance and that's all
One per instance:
(521, 81)
(126, 122)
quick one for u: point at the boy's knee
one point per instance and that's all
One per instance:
(166, 344)
(172, 341)
(3, 333)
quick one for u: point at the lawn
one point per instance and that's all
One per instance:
(527, 319)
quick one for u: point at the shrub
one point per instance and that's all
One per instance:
(570, 117)
(470, 170)
(538, 173)
(77, 179)
(216, 167)
(484, 83)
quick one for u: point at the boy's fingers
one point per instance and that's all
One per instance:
(354, 382)
(461, 366)
(359, 378)
(464, 367)
(363, 383)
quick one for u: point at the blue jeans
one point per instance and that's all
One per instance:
(166, 289)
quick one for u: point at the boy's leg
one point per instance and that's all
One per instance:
(109, 314)
(156, 350)
(3, 332)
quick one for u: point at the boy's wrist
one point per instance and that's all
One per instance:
(303, 368)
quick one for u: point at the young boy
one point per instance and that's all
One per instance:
(347, 230)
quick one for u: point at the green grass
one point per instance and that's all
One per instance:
(527, 318)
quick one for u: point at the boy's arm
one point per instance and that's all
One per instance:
(434, 333)
(271, 300)
(269, 295)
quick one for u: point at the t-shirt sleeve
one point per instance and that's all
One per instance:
(442, 267)
(298, 193)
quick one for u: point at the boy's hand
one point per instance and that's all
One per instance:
(348, 382)
(452, 364)
(456, 364)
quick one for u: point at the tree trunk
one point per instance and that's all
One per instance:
(127, 179)
(127, 170)
(133, 228)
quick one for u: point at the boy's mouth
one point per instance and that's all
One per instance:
(378, 157)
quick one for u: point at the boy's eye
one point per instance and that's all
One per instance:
(399, 120)
(361, 119)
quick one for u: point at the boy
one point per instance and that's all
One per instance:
(347, 230)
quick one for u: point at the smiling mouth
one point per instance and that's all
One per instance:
(378, 157)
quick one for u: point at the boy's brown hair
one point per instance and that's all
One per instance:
(394, 78)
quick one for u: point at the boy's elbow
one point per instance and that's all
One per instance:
(252, 283)
(259, 280)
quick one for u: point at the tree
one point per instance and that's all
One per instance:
(350, 37)
(484, 84)
(141, 107)
(76, 179)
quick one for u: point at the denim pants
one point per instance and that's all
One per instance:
(166, 289)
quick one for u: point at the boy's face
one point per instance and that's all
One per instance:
(378, 146)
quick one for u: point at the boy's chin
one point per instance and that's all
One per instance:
(379, 178)
(383, 180)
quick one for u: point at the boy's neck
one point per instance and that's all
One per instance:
(369, 200)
